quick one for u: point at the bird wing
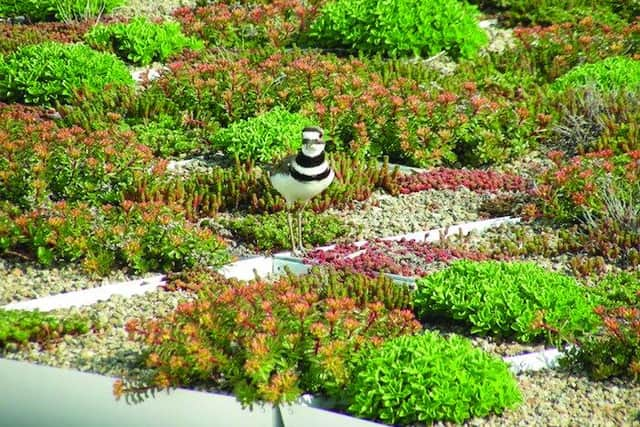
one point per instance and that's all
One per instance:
(282, 167)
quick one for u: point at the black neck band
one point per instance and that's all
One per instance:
(309, 162)
(302, 177)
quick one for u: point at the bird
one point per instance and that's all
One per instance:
(302, 176)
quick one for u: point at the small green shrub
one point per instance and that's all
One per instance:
(66, 10)
(141, 41)
(264, 138)
(400, 28)
(50, 72)
(425, 378)
(614, 73)
(271, 232)
(18, 326)
(509, 299)
(620, 289)
(167, 137)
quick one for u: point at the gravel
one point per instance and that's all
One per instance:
(151, 8)
(21, 281)
(553, 398)
(384, 215)
(108, 350)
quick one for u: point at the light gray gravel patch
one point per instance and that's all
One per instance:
(554, 398)
(108, 351)
(21, 281)
(384, 215)
(151, 8)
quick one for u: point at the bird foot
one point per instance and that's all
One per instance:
(299, 252)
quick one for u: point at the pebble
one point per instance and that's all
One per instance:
(384, 215)
(23, 281)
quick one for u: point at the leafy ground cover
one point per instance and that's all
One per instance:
(544, 127)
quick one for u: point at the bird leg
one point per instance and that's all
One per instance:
(300, 230)
(300, 212)
(291, 233)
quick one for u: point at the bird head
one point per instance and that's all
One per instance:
(312, 142)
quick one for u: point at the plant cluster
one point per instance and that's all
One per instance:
(518, 241)
(610, 74)
(128, 107)
(66, 10)
(264, 341)
(141, 237)
(270, 232)
(615, 349)
(249, 25)
(166, 137)
(425, 378)
(546, 53)
(591, 120)
(574, 187)
(400, 28)
(13, 37)
(19, 327)
(246, 186)
(591, 251)
(40, 161)
(619, 289)
(601, 191)
(265, 138)
(363, 113)
(50, 72)
(509, 299)
(480, 181)
(405, 257)
(545, 12)
(327, 282)
(141, 41)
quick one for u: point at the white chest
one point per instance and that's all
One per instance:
(294, 191)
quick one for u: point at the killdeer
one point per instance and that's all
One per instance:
(300, 177)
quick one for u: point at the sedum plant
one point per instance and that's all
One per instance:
(614, 350)
(40, 161)
(400, 28)
(50, 72)
(141, 41)
(425, 378)
(328, 282)
(265, 137)
(19, 327)
(508, 299)
(610, 74)
(269, 232)
(141, 237)
(263, 341)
